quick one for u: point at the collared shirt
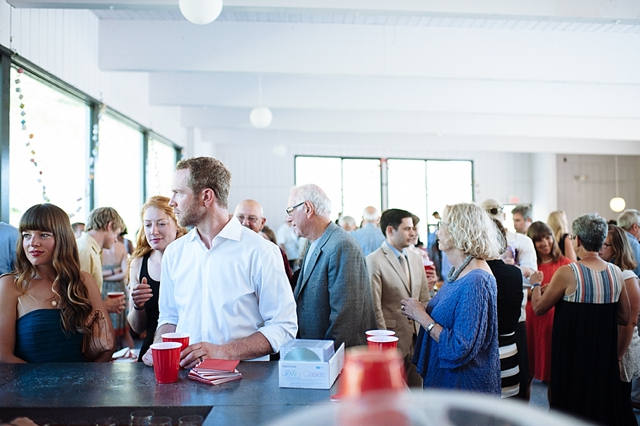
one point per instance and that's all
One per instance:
(395, 251)
(370, 238)
(90, 259)
(8, 238)
(227, 292)
(525, 250)
(525, 256)
(635, 246)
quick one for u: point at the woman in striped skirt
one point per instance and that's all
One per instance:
(509, 282)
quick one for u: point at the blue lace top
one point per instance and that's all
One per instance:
(466, 356)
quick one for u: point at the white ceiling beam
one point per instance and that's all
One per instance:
(396, 94)
(594, 9)
(406, 122)
(369, 50)
(434, 143)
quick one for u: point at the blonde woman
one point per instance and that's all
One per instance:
(159, 229)
(457, 347)
(557, 221)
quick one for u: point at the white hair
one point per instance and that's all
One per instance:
(315, 195)
(371, 216)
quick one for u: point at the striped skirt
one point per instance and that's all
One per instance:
(509, 369)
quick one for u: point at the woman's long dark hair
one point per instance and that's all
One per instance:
(75, 305)
(539, 230)
(622, 253)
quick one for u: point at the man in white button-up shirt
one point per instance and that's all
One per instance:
(222, 283)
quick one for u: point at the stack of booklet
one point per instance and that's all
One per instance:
(215, 371)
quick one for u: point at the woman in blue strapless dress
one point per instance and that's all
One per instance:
(46, 300)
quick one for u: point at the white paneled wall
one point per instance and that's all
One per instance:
(65, 43)
(586, 183)
(259, 174)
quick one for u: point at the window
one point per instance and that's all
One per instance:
(118, 181)
(360, 187)
(49, 158)
(161, 162)
(326, 172)
(448, 182)
(419, 186)
(48, 154)
(407, 183)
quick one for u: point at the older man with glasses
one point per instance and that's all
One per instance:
(333, 291)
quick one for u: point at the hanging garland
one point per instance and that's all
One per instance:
(31, 136)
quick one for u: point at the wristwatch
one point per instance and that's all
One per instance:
(430, 327)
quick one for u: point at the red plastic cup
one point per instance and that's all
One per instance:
(114, 294)
(166, 361)
(382, 343)
(182, 338)
(370, 333)
(368, 371)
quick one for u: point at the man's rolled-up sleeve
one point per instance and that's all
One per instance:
(275, 300)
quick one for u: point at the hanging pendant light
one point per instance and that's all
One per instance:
(260, 116)
(617, 203)
(201, 12)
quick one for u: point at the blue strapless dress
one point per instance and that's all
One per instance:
(40, 338)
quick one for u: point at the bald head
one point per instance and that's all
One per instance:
(250, 215)
(370, 215)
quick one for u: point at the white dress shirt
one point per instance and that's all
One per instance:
(227, 292)
(525, 256)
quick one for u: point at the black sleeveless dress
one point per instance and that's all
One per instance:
(151, 307)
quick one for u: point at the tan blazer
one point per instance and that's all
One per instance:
(390, 286)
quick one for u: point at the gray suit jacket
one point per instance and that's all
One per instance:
(333, 293)
(390, 286)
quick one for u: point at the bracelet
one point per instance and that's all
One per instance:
(430, 327)
(535, 285)
(136, 307)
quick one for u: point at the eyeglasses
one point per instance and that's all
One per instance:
(290, 210)
(496, 210)
(250, 219)
(605, 245)
(439, 224)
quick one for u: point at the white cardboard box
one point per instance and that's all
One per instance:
(311, 375)
(323, 350)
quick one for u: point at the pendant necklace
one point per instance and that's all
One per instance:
(453, 273)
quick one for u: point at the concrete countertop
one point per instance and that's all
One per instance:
(68, 392)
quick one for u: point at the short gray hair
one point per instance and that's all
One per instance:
(592, 230)
(315, 195)
(523, 210)
(627, 218)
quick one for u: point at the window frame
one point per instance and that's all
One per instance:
(10, 59)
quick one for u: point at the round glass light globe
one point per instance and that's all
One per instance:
(261, 117)
(617, 204)
(201, 12)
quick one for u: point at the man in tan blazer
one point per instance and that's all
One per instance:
(396, 274)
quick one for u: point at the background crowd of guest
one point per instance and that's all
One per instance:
(477, 308)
